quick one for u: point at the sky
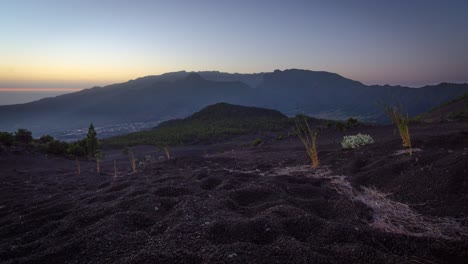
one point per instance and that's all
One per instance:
(51, 47)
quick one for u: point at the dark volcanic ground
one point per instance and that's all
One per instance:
(230, 204)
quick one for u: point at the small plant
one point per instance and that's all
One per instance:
(256, 142)
(129, 152)
(280, 137)
(355, 141)
(308, 138)
(340, 126)
(351, 122)
(168, 154)
(401, 121)
(98, 156)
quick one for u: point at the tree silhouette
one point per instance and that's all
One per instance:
(91, 141)
(23, 136)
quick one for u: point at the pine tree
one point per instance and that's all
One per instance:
(91, 141)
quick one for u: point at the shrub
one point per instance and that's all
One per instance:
(256, 142)
(131, 155)
(340, 126)
(401, 121)
(355, 141)
(6, 138)
(352, 122)
(23, 136)
(46, 139)
(56, 147)
(168, 153)
(77, 148)
(98, 156)
(308, 138)
(280, 137)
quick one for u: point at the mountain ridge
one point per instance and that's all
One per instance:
(171, 95)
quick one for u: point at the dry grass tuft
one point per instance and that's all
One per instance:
(168, 154)
(308, 138)
(401, 121)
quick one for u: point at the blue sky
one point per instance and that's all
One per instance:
(80, 44)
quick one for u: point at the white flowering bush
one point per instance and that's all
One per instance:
(355, 141)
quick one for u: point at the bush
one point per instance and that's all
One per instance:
(352, 122)
(23, 136)
(56, 147)
(355, 141)
(340, 126)
(256, 142)
(46, 139)
(280, 137)
(77, 148)
(6, 138)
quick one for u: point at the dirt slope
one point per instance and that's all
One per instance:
(245, 205)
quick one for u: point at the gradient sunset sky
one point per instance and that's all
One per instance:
(74, 44)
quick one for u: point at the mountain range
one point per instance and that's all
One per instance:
(179, 94)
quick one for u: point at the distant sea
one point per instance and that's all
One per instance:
(9, 98)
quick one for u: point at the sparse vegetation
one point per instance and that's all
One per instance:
(401, 120)
(256, 142)
(129, 151)
(458, 115)
(351, 122)
(47, 143)
(77, 148)
(308, 138)
(46, 139)
(23, 136)
(6, 138)
(168, 154)
(212, 124)
(98, 156)
(340, 126)
(355, 141)
(280, 137)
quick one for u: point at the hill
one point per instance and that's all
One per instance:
(456, 109)
(212, 123)
(153, 99)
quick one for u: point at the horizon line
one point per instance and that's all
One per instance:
(30, 89)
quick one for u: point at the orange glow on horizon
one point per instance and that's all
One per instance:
(40, 89)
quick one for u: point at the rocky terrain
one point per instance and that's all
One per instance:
(227, 203)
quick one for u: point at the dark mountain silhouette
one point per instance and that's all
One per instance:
(178, 94)
(329, 95)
